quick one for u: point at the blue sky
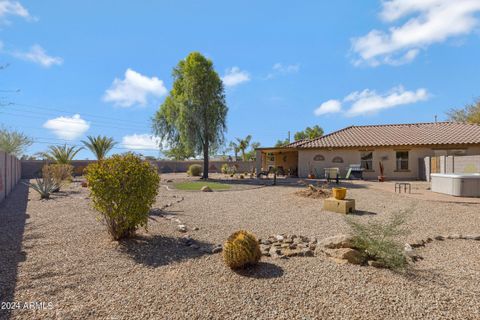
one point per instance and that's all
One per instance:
(103, 67)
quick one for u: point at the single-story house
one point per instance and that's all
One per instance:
(401, 148)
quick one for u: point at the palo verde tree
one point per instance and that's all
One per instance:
(309, 133)
(469, 114)
(194, 114)
(14, 142)
(99, 145)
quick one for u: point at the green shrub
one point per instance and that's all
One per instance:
(377, 240)
(241, 249)
(225, 168)
(60, 173)
(123, 189)
(195, 170)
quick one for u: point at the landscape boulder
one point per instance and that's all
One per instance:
(345, 255)
(206, 189)
(336, 242)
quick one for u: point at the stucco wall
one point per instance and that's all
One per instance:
(352, 156)
(287, 160)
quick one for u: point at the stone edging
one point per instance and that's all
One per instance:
(187, 240)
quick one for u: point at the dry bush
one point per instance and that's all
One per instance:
(313, 192)
(61, 174)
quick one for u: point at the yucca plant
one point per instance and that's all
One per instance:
(99, 145)
(61, 154)
(44, 187)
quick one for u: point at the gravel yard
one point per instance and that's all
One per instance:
(57, 252)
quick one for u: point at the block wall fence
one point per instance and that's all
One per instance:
(10, 173)
(33, 168)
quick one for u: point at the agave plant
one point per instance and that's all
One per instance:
(61, 154)
(44, 187)
(99, 145)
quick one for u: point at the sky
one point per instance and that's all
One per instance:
(76, 68)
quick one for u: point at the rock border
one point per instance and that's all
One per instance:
(187, 239)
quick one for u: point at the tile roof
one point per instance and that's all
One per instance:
(296, 143)
(436, 133)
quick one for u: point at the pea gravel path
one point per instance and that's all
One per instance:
(56, 251)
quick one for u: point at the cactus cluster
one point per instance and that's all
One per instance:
(241, 249)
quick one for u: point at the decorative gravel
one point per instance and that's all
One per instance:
(57, 252)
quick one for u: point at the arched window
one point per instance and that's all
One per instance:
(337, 159)
(318, 157)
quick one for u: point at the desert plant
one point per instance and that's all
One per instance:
(242, 176)
(60, 173)
(61, 154)
(123, 189)
(377, 240)
(225, 168)
(241, 249)
(195, 170)
(99, 145)
(44, 187)
(14, 142)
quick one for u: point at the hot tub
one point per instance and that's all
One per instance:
(459, 185)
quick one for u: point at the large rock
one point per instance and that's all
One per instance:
(336, 242)
(344, 255)
(206, 189)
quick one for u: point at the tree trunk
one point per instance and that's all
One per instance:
(205, 161)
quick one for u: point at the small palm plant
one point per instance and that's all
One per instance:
(243, 145)
(61, 154)
(99, 145)
(45, 187)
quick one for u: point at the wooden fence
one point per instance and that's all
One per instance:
(10, 173)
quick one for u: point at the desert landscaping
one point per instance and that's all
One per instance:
(60, 254)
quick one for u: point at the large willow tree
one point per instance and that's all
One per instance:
(192, 119)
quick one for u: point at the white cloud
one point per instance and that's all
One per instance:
(38, 55)
(368, 101)
(141, 142)
(234, 76)
(13, 8)
(134, 89)
(281, 69)
(431, 21)
(68, 128)
(330, 106)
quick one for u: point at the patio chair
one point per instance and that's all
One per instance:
(331, 174)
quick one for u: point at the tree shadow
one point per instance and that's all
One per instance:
(262, 270)
(156, 251)
(13, 217)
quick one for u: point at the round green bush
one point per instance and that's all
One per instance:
(195, 170)
(123, 189)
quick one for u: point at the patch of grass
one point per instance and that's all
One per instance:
(197, 185)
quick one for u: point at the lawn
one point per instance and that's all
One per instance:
(197, 185)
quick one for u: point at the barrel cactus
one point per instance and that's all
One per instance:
(241, 249)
